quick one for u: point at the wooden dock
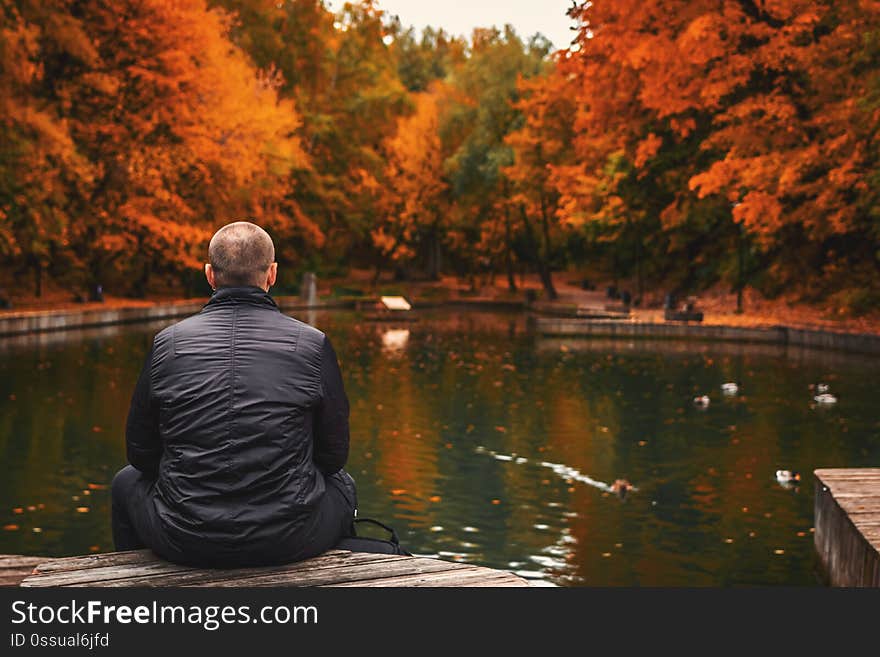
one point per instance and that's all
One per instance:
(847, 523)
(334, 568)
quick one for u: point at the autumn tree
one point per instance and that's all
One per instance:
(44, 180)
(474, 129)
(176, 130)
(412, 198)
(540, 146)
(753, 111)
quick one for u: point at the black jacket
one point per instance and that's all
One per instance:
(239, 413)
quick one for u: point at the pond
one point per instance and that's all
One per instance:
(482, 442)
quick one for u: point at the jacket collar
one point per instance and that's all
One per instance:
(245, 294)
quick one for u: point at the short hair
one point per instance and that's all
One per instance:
(240, 253)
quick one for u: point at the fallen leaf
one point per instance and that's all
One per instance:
(10, 528)
(778, 551)
(496, 501)
(97, 486)
(97, 429)
(32, 508)
(606, 554)
(398, 491)
(82, 509)
(37, 530)
(434, 498)
(94, 548)
(500, 429)
(18, 509)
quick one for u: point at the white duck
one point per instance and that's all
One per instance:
(825, 398)
(787, 477)
(729, 388)
(702, 401)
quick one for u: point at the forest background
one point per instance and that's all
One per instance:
(680, 146)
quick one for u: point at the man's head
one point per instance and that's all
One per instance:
(241, 253)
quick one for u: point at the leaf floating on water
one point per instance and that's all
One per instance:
(97, 486)
(37, 530)
(94, 548)
(448, 445)
(31, 508)
(501, 429)
(18, 509)
(728, 540)
(778, 551)
(10, 528)
(496, 501)
(606, 554)
(802, 534)
(41, 506)
(75, 498)
(97, 429)
(82, 509)
(434, 498)
(642, 443)
(398, 491)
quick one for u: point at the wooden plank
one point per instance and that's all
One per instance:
(847, 522)
(94, 576)
(15, 567)
(372, 569)
(96, 561)
(339, 567)
(453, 578)
(140, 572)
(214, 577)
(18, 560)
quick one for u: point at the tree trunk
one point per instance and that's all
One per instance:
(38, 278)
(543, 268)
(546, 273)
(508, 251)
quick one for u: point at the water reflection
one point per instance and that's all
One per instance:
(483, 443)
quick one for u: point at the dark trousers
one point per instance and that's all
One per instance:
(135, 525)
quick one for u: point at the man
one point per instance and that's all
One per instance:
(238, 427)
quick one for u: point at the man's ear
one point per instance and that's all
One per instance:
(272, 276)
(209, 274)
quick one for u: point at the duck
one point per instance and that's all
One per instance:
(729, 388)
(621, 487)
(825, 398)
(702, 400)
(822, 388)
(787, 477)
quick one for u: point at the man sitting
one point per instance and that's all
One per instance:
(238, 427)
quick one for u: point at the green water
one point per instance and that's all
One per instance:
(484, 443)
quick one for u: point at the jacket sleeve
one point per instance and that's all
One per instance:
(331, 416)
(142, 441)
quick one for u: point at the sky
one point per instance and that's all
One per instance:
(460, 17)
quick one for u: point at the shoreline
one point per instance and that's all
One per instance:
(24, 322)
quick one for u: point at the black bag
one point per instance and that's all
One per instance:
(356, 543)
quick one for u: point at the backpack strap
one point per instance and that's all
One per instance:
(394, 538)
